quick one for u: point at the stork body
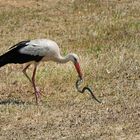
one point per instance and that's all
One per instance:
(35, 51)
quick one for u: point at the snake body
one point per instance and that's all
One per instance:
(78, 82)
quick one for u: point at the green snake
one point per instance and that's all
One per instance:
(78, 82)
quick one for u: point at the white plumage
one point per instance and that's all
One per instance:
(41, 47)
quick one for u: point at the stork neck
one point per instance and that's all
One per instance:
(62, 59)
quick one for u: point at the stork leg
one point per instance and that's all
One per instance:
(24, 71)
(37, 93)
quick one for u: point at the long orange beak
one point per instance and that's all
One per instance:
(78, 69)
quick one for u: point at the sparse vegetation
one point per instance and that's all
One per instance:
(105, 35)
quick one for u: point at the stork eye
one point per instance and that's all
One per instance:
(75, 59)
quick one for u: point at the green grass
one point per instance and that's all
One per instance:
(105, 35)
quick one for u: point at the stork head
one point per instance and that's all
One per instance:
(75, 59)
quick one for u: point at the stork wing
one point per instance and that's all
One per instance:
(34, 49)
(20, 44)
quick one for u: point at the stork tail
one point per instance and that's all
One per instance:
(4, 60)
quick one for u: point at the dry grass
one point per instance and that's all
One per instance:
(105, 34)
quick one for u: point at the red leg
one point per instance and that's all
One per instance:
(24, 71)
(37, 94)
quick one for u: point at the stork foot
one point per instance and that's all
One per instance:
(37, 92)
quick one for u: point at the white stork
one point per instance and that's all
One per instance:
(35, 51)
